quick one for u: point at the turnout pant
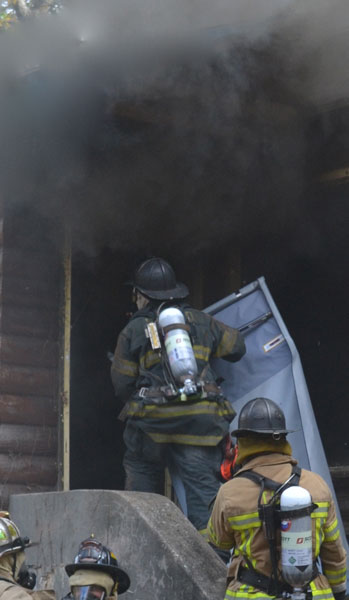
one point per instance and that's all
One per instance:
(198, 467)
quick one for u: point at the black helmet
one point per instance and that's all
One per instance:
(261, 415)
(156, 279)
(93, 555)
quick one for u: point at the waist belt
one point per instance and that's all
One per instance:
(167, 393)
(267, 584)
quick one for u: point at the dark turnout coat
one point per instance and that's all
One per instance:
(136, 365)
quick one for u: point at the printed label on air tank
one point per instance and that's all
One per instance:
(178, 348)
(296, 548)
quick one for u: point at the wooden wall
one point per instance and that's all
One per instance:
(29, 356)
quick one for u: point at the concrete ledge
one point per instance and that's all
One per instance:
(162, 552)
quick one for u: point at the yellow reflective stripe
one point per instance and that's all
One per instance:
(149, 359)
(240, 593)
(337, 571)
(246, 521)
(227, 343)
(125, 367)
(178, 409)
(182, 408)
(204, 533)
(215, 539)
(332, 532)
(331, 527)
(321, 594)
(335, 580)
(248, 546)
(190, 440)
(319, 534)
(321, 510)
(202, 352)
(333, 537)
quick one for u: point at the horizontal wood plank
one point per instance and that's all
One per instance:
(31, 322)
(28, 410)
(28, 351)
(19, 262)
(24, 291)
(28, 470)
(26, 380)
(28, 439)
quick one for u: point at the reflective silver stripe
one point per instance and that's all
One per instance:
(246, 593)
(245, 521)
(332, 532)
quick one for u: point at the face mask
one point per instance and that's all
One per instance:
(88, 592)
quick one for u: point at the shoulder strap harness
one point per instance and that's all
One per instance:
(271, 516)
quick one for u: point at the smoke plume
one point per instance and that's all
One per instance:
(148, 123)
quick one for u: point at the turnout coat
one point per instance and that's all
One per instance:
(235, 523)
(135, 365)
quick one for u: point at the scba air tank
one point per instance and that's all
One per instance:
(178, 348)
(296, 537)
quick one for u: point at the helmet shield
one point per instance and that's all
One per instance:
(156, 279)
(263, 416)
(88, 592)
(10, 537)
(94, 556)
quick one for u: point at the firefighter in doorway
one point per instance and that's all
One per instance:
(176, 414)
(95, 574)
(16, 581)
(246, 516)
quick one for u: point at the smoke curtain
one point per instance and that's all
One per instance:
(271, 368)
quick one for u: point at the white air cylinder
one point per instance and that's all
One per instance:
(296, 538)
(178, 346)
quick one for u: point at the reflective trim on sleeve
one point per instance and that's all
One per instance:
(319, 535)
(321, 594)
(181, 438)
(149, 359)
(227, 343)
(321, 510)
(245, 521)
(202, 352)
(336, 577)
(332, 532)
(204, 533)
(213, 536)
(125, 367)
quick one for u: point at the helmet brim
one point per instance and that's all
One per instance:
(119, 575)
(241, 432)
(179, 292)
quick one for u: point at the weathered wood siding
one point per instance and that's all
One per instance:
(29, 361)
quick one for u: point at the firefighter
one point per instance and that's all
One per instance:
(95, 574)
(16, 581)
(239, 515)
(168, 424)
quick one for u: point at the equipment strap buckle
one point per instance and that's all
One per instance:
(142, 392)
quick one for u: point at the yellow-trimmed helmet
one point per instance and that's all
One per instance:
(10, 537)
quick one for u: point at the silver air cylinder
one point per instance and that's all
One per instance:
(179, 349)
(296, 538)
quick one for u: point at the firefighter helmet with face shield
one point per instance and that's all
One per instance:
(10, 537)
(93, 556)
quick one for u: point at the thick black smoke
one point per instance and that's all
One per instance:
(153, 125)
